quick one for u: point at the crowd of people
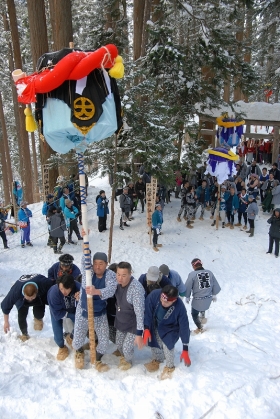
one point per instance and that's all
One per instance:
(149, 310)
(127, 311)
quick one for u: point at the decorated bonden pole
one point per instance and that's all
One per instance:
(77, 103)
(87, 255)
(220, 162)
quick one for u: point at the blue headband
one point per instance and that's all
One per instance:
(33, 283)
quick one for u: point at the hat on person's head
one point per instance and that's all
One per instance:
(152, 274)
(158, 205)
(49, 196)
(68, 201)
(251, 197)
(23, 203)
(100, 256)
(52, 208)
(275, 164)
(125, 188)
(223, 186)
(130, 182)
(164, 269)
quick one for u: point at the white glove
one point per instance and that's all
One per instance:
(158, 230)
(214, 298)
(187, 300)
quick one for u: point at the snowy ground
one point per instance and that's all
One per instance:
(235, 371)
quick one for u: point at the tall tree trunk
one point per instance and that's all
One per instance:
(39, 46)
(226, 96)
(61, 23)
(35, 167)
(248, 39)
(138, 14)
(237, 94)
(5, 183)
(22, 133)
(6, 153)
(4, 174)
(62, 35)
(146, 17)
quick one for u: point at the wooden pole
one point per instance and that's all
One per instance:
(275, 149)
(14, 204)
(87, 255)
(151, 190)
(218, 207)
(114, 187)
(34, 158)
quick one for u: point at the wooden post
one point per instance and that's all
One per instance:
(218, 207)
(275, 151)
(151, 190)
(14, 204)
(46, 185)
(34, 158)
(87, 255)
(113, 201)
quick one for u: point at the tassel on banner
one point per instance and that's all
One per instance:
(30, 124)
(117, 71)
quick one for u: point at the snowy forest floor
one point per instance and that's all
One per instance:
(235, 371)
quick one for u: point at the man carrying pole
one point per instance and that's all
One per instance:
(103, 286)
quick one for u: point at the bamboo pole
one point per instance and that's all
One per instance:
(90, 306)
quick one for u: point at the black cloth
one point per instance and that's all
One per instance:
(74, 227)
(38, 312)
(140, 189)
(4, 238)
(111, 310)
(55, 241)
(102, 223)
(274, 230)
(125, 320)
(271, 241)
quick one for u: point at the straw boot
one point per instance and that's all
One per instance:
(38, 324)
(152, 366)
(79, 359)
(124, 365)
(62, 353)
(167, 373)
(99, 365)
